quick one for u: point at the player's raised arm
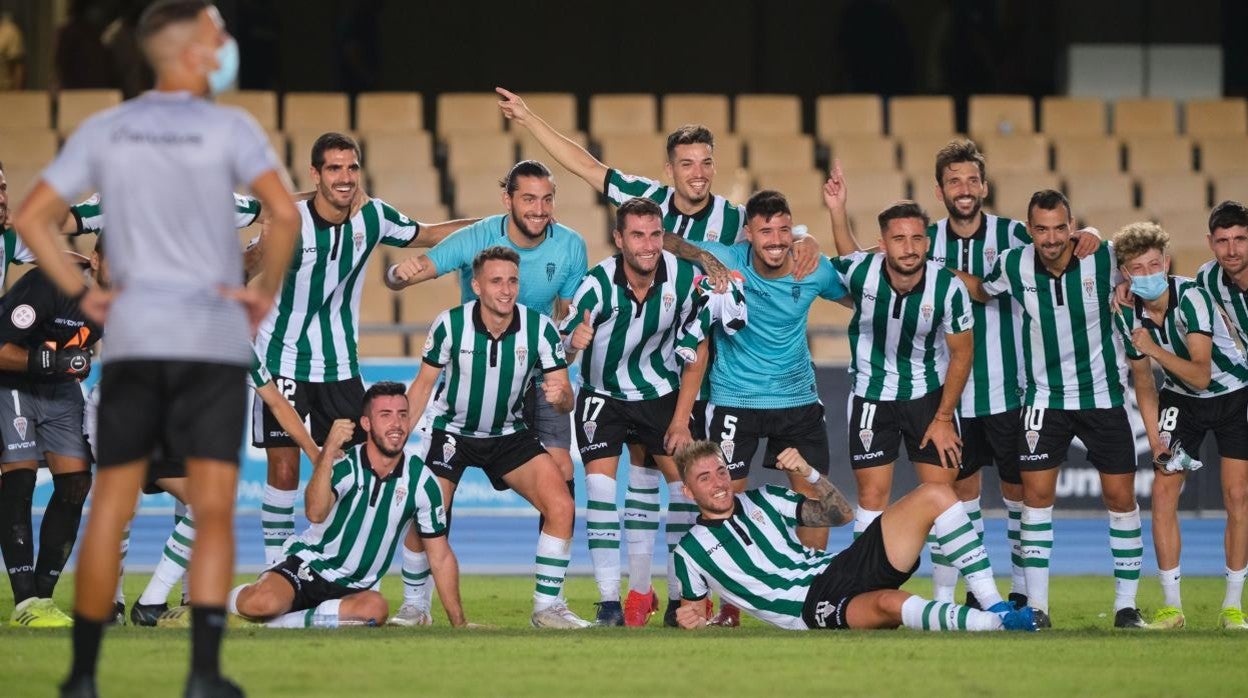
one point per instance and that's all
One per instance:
(835, 196)
(318, 498)
(565, 151)
(828, 507)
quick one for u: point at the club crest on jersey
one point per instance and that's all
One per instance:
(1033, 438)
(866, 436)
(796, 293)
(758, 516)
(448, 449)
(926, 310)
(400, 494)
(727, 448)
(668, 301)
(550, 271)
(522, 353)
(712, 236)
(1089, 287)
(990, 255)
(358, 239)
(19, 423)
(1164, 437)
(590, 427)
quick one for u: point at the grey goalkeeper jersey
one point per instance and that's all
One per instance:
(168, 163)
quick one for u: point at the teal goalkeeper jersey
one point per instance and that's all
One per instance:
(767, 364)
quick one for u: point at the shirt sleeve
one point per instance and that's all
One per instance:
(784, 500)
(588, 297)
(996, 283)
(550, 352)
(1018, 231)
(397, 230)
(1124, 322)
(456, 250)
(430, 509)
(844, 265)
(72, 173)
(258, 375)
(620, 187)
(958, 315)
(1196, 309)
(437, 350)
(31, 301)
(16, 251)
(252, 153)
(692, 581)
(578, 265)
(246, 210)
(833, 287)
(342, 476)
(88, 215)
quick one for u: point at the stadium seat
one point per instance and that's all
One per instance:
(468, 112)
(277, 140)
(377, 304)
(530, 149)
(420, 305)
(316, 111)
(841, 116)
(767, 115)
(1224, 155)
(870, 192)
(570, 190)
(637, 154)
(1000, 115)
(1020, 153)
(27, 147)
(830, 349)
(1087, 154)
(383, 345)
(418, 185)
(709, 110)
(26, 109)
(477, 192)
(802, 188)
(1230, 187)
(826, 314)
(261, 104)
(480, 151)
(614, 114)
(1159, 154)
(1188, 228)
(813, 215)
(556, 108)
(73, 106)
(1205, 118)
(1108, 221)
(923, 192)
(1113, 190)
(865, 153)
(21, 179)
(418, 211)
(389, 151)
(1011, 192)
(590, 221)
(918, 154)
(920, 116)
(1186, 261)
(1145, 117)
(794, 151)
(389, 111)
(729, 154)
(301, 148)
(1072, 116)
(1161, 193)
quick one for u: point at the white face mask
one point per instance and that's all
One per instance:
(222, 79)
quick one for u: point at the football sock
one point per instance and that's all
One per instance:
(1127, 546)
(207, 628)
(1234, 587)
(277, 518)
(641, 525)
(862, 519)
(553, 556)
(1170, 587)
(1036, 542)
(681, 514)
(920, 614)
(323, 616)
(416, 579)
(962, 547)
(602, 527)
(1013, 522)
(59, 529)
(17, 543)
(173, 562)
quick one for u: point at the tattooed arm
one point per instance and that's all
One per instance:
(828, 507)
(711, 265)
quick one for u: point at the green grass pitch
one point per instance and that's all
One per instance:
(1083, 656)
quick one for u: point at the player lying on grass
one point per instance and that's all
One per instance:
(359, 503)
(745, 547)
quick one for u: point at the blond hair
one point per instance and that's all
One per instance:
(1137, 238)
(694, 452)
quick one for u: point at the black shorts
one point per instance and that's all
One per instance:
(1184, 421)
(1045, 435)
(992, 439)
(317, 404)
(187, 409)
(739, 429)
(310, 588)
(160, 468)
(697, 429)
(450, 455)
(876, 430)
(604, 424)
(858, 569)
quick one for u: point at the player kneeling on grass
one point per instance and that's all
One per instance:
(745, 547)
(359, 503)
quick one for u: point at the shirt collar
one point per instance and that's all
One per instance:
(917, 288)
(503, 230)
(715, 523)
(981, 233)
(701, 213)
(660, 272)
(478, 323)
(1042, 270)
(1230, 283)
(1171, 304)
(317, 222)
(396, 473)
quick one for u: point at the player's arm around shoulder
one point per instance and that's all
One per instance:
(552, 362)
(828, 507)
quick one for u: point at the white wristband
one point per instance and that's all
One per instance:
(813, 476)
(390, 277)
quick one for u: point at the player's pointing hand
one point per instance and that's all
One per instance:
(513, 107)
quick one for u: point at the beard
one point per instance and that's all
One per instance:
(523, 227)
(385, 450)
(957, 215)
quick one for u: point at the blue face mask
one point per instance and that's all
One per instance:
(1149, 286)
(223, 77)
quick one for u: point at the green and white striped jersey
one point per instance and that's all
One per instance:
(482, 393)
(1189, 310)
(355, 543)
(15, 252)
(258, 376)
(753, 558)
(632, 355)
(312, 332)
(1072, 356)
(995, 384)
(720, 220)
(90, 216)
(897, 340)
(1227, 294)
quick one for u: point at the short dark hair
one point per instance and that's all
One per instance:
(689, 134)
(163, 13)
(332, 141)
(902, 209)
(496, 252)
(695, 452)
(1228, 214)
(382, 389)
(524, 168)
(1048, 200)
(636, 206)
(767, 203)
(956, 151)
